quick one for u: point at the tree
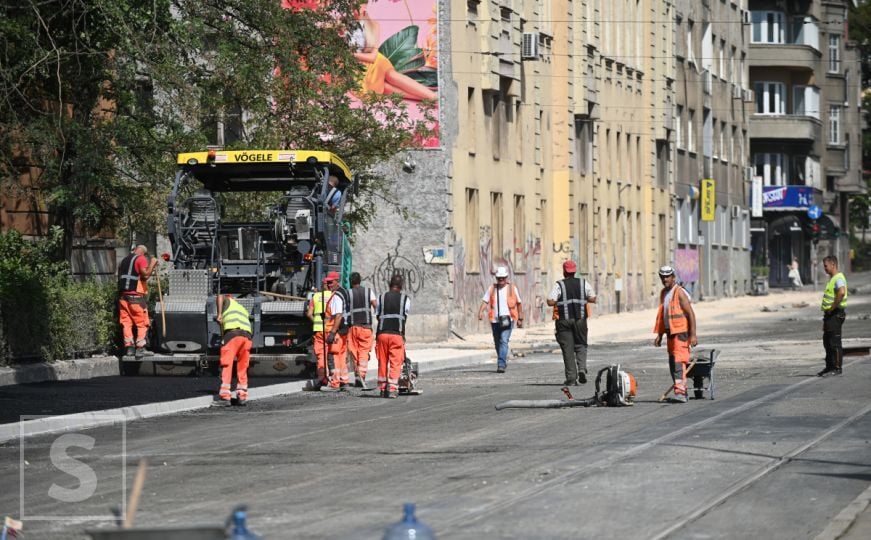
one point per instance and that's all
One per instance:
(98, 96)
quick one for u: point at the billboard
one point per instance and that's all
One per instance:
(787, 197)
(397, 43)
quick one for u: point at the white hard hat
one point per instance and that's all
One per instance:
(501, 271)
(665, 271)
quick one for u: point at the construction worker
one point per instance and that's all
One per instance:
(326, 312)
(392, 311)
(833, 304)
(133, 274)
(235, 345)
(361, 302)
(570, 297)
(506, 310)
(675, 319)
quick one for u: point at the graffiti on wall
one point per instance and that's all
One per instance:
(686, 265)
(393, 265)
(469, 285)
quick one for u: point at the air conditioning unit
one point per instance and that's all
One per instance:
(737, 92)
(736, 211)
(748, 95)
(529, 46)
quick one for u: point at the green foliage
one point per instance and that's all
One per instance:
(98, 96)
(45, 315)
(760, 271)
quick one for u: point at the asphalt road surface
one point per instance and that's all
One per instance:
(776, 455)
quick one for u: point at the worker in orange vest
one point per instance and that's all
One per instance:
(326, 310)
(392, 311)
(133, 274)
(506, 310)
(675, 319)
(361, 302)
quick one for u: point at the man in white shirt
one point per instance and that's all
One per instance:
(506, 309)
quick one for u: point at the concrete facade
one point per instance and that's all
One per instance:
(565, 135)
(805, 132)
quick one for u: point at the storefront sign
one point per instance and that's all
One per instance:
(709, 200)
(786, 197)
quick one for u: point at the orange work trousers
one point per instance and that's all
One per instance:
(338, 350)
(678, 358)
(238, 349)
(390, 350)
(360, 341)
(133, 313)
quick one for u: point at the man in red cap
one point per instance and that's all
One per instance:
(325, 310)
(569, 298)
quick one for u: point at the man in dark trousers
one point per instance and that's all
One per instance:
(569, 298)
(834, 302)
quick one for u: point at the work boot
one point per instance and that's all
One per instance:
(569, 382)
(360, 382)
(344, 387)
(129, 351)
(679, 398)
(242, 402)
(140, 352)
(327, 388)
(582, 377)
(500, 370)
(221, 402)
(384, 393)
(825, 372)
(393, 394)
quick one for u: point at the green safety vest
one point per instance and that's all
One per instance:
(319, 300)
(829, 294)
(235, 317)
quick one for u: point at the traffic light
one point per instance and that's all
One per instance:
(815, 231)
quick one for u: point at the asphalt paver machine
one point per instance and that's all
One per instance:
(257, 224)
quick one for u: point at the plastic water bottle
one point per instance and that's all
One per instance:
(409, 528)
(240, 530)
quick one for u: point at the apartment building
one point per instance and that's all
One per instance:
(805, 134)
(577, 130)
(710, 211)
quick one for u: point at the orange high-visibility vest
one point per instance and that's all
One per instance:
(512, 303)
(677, 319)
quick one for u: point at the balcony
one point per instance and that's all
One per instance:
(791, 127)
(779, 39)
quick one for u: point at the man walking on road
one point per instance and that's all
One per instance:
(133, 274)
(360, 340)
(506, 309)
(392, 312)
(235, 345)
(570, 297)
(325, 310)
(834, 302)
(675, 319)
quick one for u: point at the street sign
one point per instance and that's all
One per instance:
(709, 202)
(814, 212)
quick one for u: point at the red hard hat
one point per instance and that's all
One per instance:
(570, 267)
(333, 276)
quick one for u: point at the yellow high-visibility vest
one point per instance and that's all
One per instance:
(319, 300)
(235, 317)
(829, 294)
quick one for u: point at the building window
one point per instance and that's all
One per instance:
(768, 27)
(770, 97)
(473, 232)
(691, 140)
(584, 239)
(472, 10)
(662, 155)
(834, 124)
(806, 101)
(583, 145)
(497, 228)
(472, 108)
(519, 233)
(834, 53)
(678, 127)
(772, 169)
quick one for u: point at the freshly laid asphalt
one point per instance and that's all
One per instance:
(68, 397)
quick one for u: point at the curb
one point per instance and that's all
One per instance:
(93, 419)
(845, 519)
(64, 370)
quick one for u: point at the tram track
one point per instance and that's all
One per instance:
(464, 519)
